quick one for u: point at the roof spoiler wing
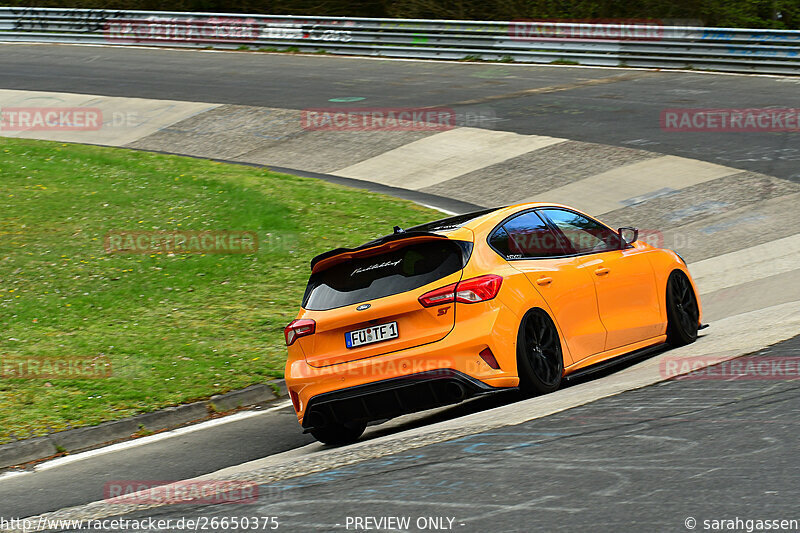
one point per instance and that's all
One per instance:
(339, 255)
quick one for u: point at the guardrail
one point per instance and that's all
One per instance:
(625, 43)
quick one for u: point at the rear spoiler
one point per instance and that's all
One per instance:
(339, 255)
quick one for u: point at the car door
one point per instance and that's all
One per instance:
(627, 295)
(567, 288)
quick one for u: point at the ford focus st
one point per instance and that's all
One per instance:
(518, 296)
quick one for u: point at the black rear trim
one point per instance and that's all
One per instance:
(389, 398)
(376, 242)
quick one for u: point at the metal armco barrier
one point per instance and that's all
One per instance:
(622, 43)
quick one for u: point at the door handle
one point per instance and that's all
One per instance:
(601, 271)
(544, 281)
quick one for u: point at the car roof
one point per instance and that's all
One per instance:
(453, 227)
(476, 219)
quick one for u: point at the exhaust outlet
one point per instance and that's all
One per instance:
(455, 391)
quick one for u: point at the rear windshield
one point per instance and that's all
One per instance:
(400, 270)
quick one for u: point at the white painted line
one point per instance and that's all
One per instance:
(749, 264)
(67, 459)
(15, 473)
(625, 185)
(444, 156)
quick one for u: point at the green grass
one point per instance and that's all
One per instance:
(176, 328)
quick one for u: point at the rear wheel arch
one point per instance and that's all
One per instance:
(527, 298)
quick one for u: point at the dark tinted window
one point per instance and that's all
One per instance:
(583, 234)
(368, 278)
(500, 242)
(526, 236)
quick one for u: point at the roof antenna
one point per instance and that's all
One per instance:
(398, 229)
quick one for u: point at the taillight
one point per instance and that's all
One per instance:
(469, 291)
(444, 295)
(478, 289)
(298, 328)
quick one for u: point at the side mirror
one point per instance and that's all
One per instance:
(627, 236)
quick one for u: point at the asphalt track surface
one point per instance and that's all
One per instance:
(610, 106)
(198, 453)
(652, 459)
(179, 457)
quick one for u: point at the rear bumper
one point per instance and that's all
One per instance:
(455, 359)
(392, 397)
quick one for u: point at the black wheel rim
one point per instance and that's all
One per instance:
(685, 304)
(543, 349)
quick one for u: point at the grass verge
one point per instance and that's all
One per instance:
(175, 327)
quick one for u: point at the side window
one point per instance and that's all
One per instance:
(526, 236)
(500, 242)
(583, 234)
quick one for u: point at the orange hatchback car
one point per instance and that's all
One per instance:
(517, 296)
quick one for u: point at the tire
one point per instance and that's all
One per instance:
(540, 362)
(339, 434)
(683, 313)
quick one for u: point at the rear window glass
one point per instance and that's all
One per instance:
(368, 278)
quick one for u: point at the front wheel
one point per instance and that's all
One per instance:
(539, 359)
(683, 313)
(338, 434)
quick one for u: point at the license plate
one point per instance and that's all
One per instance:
(381, 332)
